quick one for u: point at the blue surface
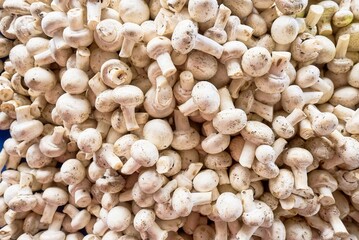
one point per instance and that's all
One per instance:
(4, 134)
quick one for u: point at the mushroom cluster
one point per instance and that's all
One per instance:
(179, 119)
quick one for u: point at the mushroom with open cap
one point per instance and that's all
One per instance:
(231, 58)
(115, 72)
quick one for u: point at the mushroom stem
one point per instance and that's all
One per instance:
(70, 210)
(58, 135)
(296, 116)
(343, 113)
(338, 226)
(165, 63)
(93, 13)
(127, 47)
(76, 20)
(222, 17)
(208, 45)
(164, 94)
(234, 69)
(201, 198)
(188, 107)
(3, 158)
(279, 146)
(96, 84)
(83, 58)
(301, 178)
(263, 110)
(226, 99)
(221, 230)
(314, 14)
(247, 156)
(325, 195)
(48, 213)
(130, 167)
(312, 97)
(130, 117)
(181, 121)
(280, 60)
(43, 58)
(246, 232)
(192, 170)
(186, 80)
(235, 86)
(342, 46)
(23, 113)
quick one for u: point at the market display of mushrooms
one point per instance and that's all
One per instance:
(179, 119)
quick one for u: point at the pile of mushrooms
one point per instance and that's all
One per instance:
(179, 119)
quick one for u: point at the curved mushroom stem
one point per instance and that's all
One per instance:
(343, 113)
(226, 99)
(248, 153)
(342, 46)
(279, 62)
(263, 110)
(164, 94)
(58, 135)
(130, 117)
(208, 45)
(181, 121)
(296, 116)
(221, 230)
(279, 146)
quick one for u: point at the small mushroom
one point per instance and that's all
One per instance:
(256, 61)
(158, 132)
(217, 32)
(284, 126)
(54, 197)
(119, 218)
(294, 97)
(229, 207)
(144, 222)
(341, 64)
(288, 7)
(115, 72)
(132, 33)
(143, 153)
(285, 29)
(331, 215)
(231, 58)
(129, 97)
(309, 76)
(344, 16)
(323, 183)
(322, 123)
(324, 24)
(186, 38)
(79, 219)
(72, 172)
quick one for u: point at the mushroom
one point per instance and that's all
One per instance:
(314, 14)
(217, 32)
(79, 219)
(74, 81)
(25, 128)
(54, 197)
(107, 35)
(229, 207)
(248, 103)
(305, 48)
(239, 177)
(21, 59)
(94, 8)
(144, 222)
(184, 178)
(322, 123)
(331, 215)
(326, 231)
(296, 228)
(135, 11)
(24, 200)
(205, 181)
(284, 126)
(150, 181)
(231, 58)
(256, 61)
(309, 76)
(254, 133)
(229, 120)
(185, 38)
(201, 11)
(298, 159)
(214, 142)
(143, 153)
(202, 65)
(288, 7)
(237, 31)
(119, 218)
(54, 231)
(106, 158)
(132, 33)
(72, 172)
(324, 183)
(276, 80)
(129, 97)
(183, 88)
(324, 24)
(344, 16)
(183, 200)
(115, 72)
(159, 48)
(76, 34)
(163, 195)
(341, 64)
(294, 97)
(285, 29)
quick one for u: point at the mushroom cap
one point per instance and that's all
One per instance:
(229, 207)
(128, 95)
(325, 123)
(159, 132)
(132, 31)
(144, 219)
(184, 36)
(218, 161)
(320, 148)
(205, 95)
(297, 228)
(122, 70)
(158, 46)
(40, 79)
(144, 153)
(202, 11)
(55, 196)
(205, 180)
(282, 127)
(107, 35)
(233, 49)
(245, 100)
(181, 201)
(37, 45)
(53, 21)
(320, 178)
(282, 185)
(73, 108)
(326, 212)
(239, 177)
(256, 61)
(307, 76)
(291, 7)
(349, 152)
(265, 154)
(340, 65)
(72, 171)
(81, 219)
(284, 29)
(292, 98)
(119, 218)
(230, 121)
(215, 143)
(52, 234)
(74, 81)
(23, 203)
(150, 181)
(110, 184)
(185, 140)
(89, 140)
(122, 146)
(298, 157)
(258, 133)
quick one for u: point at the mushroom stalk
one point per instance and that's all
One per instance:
(342, 46)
